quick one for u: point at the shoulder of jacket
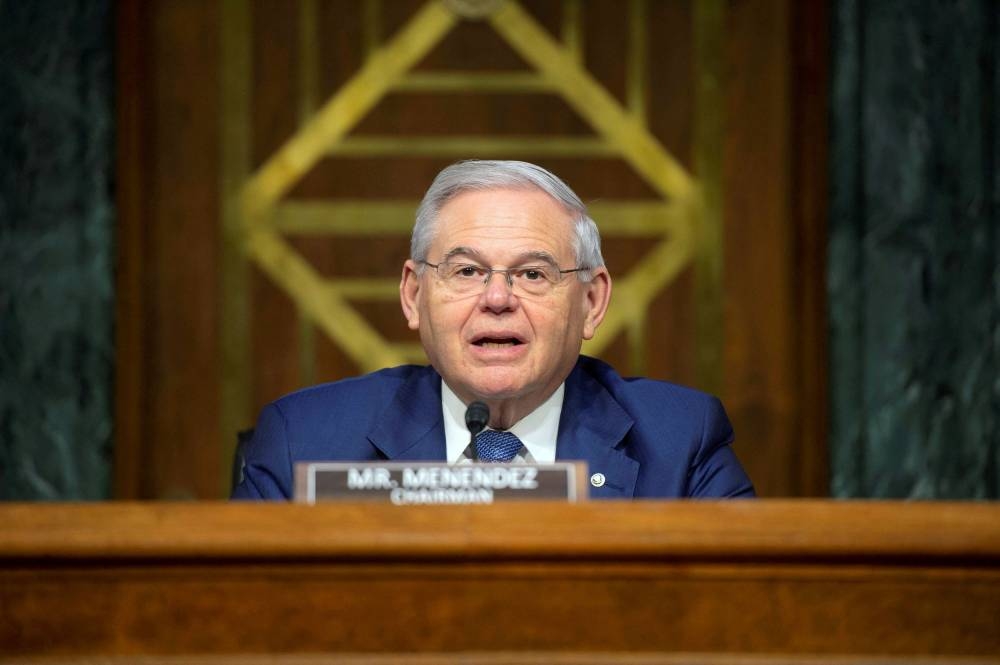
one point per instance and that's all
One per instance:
(384, 379)
(607, 376)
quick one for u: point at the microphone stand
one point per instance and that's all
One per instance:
(476, 418)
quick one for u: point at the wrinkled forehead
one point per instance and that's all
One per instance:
(521, 220)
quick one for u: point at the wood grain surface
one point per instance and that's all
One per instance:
(754, 581)
(721, 530)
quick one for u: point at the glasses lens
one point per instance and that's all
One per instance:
(462, 277)
(535, 280)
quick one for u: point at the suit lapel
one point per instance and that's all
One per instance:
(411, 428)
(591, 428)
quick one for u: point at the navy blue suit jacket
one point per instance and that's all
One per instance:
(649, 438)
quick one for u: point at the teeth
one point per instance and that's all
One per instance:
(497, 345)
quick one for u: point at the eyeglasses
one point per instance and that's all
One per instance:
(470, 278)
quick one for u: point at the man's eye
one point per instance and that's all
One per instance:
(467, 271)
(532, 274)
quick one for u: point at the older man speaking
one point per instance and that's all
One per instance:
(504, 282)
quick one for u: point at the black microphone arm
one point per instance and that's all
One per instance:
(476, 418)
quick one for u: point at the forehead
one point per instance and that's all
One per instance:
(504, 220)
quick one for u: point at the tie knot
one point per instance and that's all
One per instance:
(497, 446)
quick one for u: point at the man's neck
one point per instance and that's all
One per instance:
(538, 430)
(504, 414)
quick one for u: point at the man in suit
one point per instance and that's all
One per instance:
(504, 282)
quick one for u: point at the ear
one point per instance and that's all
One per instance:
(597, 294)
(409, 295)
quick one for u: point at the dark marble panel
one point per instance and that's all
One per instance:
(56, 249)
(913, 269)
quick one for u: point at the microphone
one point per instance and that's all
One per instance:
(476, 418)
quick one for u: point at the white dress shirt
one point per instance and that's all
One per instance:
(537, 430)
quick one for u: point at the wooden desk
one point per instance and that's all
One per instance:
(736, 582)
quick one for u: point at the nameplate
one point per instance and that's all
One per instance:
(429, 483)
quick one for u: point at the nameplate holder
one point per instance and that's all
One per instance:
(431, 483)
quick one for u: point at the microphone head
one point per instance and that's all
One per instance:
(477, 416)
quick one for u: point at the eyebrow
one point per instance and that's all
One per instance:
(523, 259)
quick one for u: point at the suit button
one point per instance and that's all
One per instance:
(597, 480)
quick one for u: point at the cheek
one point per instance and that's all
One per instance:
(443, 320)
(573, 324)
(554, 323)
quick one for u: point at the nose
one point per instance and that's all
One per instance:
(498, 295)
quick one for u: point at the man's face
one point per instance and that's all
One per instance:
(496, 344)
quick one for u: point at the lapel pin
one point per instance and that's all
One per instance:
(597, 480)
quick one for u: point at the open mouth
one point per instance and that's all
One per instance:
(497, 342)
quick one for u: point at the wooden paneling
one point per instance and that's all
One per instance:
(183, 253)
(810, 85)
(774, 378)
(169, 441)
(760, 392)
(132, 122)
(167, 437)
(828, 582)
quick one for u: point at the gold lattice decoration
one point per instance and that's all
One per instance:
(258, 219)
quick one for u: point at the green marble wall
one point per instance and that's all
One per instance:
(913, 281)
(56, 249)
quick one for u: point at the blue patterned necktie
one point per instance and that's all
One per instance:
(496, 446)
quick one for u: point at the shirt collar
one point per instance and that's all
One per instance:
(537, 431)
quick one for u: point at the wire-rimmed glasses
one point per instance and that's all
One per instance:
(470, 278)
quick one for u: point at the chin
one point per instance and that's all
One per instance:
(498, 387)
(497, 392)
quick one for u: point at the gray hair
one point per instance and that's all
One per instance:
(478, 175)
